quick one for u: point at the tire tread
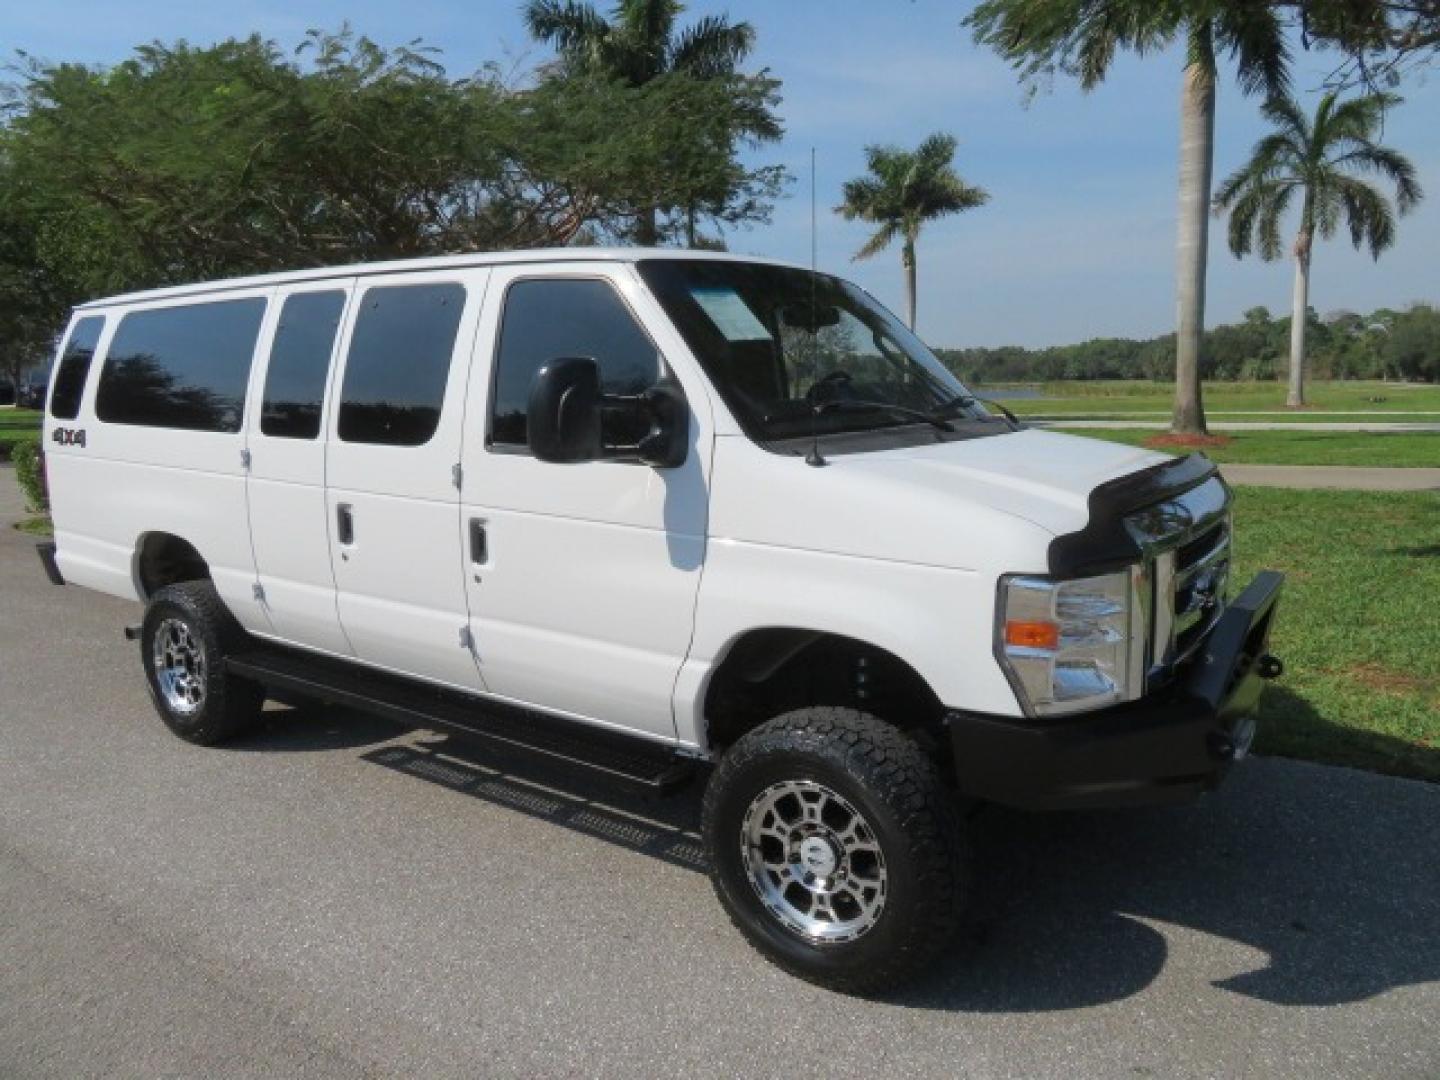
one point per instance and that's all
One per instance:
(903, 778)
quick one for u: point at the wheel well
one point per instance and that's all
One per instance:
(164, 559)
(770, 671)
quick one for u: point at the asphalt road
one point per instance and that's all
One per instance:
(334, 897)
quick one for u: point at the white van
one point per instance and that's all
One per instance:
(653, 512)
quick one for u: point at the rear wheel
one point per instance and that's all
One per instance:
(186, 635)
(836, 848)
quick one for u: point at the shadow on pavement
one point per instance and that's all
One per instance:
(311, 726)
(1331, 876)
(1291, 726)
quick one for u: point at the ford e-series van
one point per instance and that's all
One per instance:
(660, 514)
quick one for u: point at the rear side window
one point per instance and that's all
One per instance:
(299, 362)
(74, 366)
(399, 363)
(545, 320)
(181, 367)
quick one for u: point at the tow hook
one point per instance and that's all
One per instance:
(1234, 744)
(132, 633)
(1269, 667)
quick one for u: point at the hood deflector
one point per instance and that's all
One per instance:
(1104, 543)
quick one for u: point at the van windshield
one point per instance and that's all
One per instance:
(795, 353)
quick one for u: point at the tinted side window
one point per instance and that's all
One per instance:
(398, 364)
(299, 362)
(74, 366)
(181, 367)
(549, 319)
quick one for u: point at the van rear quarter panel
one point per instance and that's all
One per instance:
(129, 481)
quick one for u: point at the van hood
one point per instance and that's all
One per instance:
(1041, 476)
(974, 504)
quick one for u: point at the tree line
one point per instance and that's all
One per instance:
(1384, 344)
(187, 163)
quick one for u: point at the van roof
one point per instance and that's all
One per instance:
(435, 262)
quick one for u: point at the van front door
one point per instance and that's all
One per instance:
(582, 578)
(392, 465)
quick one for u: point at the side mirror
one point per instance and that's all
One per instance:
(667, 442)
(564, 411)
(568, 411)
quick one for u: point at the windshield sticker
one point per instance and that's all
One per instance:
(731, 315)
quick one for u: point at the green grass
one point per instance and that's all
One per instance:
(36, 526)
(1117, 398)
(1357, 626)
(17, 425)
(1400, 449)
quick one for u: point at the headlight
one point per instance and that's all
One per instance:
(1073, 645)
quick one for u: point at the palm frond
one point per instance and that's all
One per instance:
(1274, 201)
(1360, 117)
(569, 25)
(1284, 112)
(1078, 37)
(1254, 36)
(881, 239)
(648, 22)
(1368, 214)
(712, 46)
(862, 197)
(1255, 214)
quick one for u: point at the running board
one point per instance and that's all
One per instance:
(629, 759)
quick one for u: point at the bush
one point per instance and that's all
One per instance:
(30, 471)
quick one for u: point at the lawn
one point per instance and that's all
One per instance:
(1303, 447)
(1357, 627)
(1103, 398)
(36, 526)
(16, 425)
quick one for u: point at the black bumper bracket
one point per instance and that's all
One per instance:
(46, 550)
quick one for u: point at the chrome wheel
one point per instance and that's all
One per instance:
(179, 659)
(814, 861)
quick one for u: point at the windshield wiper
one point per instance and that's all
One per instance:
(964, 401)
(938, 422)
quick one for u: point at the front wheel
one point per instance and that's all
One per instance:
(184, 640)
(836, 848)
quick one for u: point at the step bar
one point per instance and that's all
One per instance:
(628, 759)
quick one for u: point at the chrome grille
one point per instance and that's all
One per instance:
(1201, 573)
(1186, 542)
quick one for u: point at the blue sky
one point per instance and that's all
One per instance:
(1077, 240)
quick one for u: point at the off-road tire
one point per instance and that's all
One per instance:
(225, 705)
(884, 775)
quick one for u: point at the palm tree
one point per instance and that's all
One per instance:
(1322, 159)
(1082, 37)
(904, 190)
(639, 43)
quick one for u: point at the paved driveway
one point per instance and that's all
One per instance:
(334, 897)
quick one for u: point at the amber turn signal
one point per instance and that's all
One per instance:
(1032, 635)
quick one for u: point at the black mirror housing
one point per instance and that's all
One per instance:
(564, 411)
(667, 442)
(567, 410)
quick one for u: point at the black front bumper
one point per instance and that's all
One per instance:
(1167, 747)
